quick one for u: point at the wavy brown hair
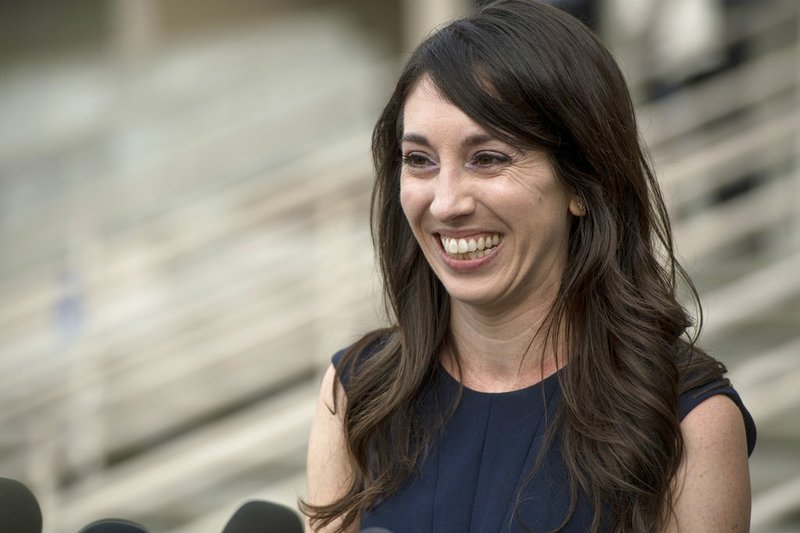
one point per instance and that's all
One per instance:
(535, 77)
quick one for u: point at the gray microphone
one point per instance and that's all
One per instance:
(264, 517)
(113, 525)
(19, 510)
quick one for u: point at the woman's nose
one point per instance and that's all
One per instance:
(452, 197)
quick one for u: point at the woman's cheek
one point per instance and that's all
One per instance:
(414, 198)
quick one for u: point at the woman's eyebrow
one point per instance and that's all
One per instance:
(469, 141)
(415, 138)
(478, 138)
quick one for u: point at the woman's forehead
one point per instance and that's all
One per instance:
(427, 112)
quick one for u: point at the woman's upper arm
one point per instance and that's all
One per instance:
(328, 465)
(712, 487)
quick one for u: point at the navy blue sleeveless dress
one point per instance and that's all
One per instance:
(475, 479)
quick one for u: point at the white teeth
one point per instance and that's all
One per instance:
(469, 249)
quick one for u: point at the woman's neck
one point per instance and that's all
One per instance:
(500, 352)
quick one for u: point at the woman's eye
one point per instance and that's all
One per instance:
(416, 161)
(489, 159)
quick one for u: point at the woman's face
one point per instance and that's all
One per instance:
(492, 220)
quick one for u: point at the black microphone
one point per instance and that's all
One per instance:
(19, 510)
(264, 517)
(113, 525)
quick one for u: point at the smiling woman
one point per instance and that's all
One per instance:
(538, 375)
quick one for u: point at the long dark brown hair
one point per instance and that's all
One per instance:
(535, 77)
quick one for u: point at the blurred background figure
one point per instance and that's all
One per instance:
(183, 225)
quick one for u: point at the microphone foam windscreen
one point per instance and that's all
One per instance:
(19, 510)
(264, 517)
(112, 525)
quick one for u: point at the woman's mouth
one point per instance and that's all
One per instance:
(475, 247)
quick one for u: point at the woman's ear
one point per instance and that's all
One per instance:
(577, 206)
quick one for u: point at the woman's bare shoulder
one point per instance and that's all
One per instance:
(712, 488)
(328, 464)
